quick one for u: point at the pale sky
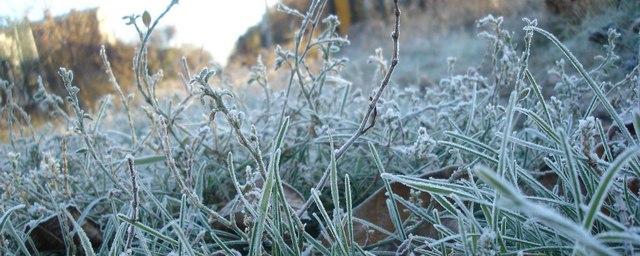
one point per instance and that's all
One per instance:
(212, 24)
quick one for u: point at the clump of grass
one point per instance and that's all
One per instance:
(529, 176)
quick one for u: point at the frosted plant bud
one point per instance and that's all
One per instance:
(424, 145)
(332, 20)
(288, 10)
(390, 116)
(235, 118)
(587, 132)
(487, 242)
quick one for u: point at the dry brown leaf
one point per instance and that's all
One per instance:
(549, 178)
(47, 234)
(234, 208)
(374, 210)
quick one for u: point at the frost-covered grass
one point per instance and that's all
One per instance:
(533, 174)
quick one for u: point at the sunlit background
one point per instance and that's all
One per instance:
(37, 37)
(212, 25)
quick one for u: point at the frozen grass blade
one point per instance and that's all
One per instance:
(330, 223)
(538, 93)
(573, 174)
(395, 218)
(605, 183)
(391, 201)
(316, 244)
(469, 150)
(184, 246)
(533, 146)
(118, 239)
(471, 141)
(183, 209)
(280, 135)
(349, 208)
(145, 160)
(255, 242)
(546, 128)
(84, 240)
(333, 178)
(429, 186)
(548, 216)
(619, 237)
(508, 128)
(16, 237)
(502, 165)
(592, 83)
(148, 230)
(636, 124)
(7, 214)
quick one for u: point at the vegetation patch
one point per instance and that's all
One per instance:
(483, 162)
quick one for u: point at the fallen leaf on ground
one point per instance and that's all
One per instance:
(47, 235)
(374, 210)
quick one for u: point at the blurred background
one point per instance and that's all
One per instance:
(39, 36)
(212, 25)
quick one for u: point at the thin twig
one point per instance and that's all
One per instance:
(299, 58)
(116, 87)
(369, 118)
